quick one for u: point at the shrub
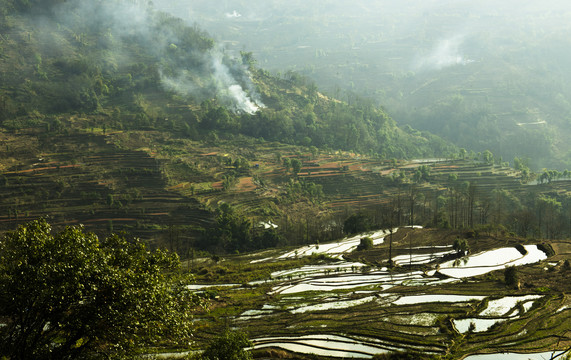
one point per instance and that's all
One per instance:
(68, 295)
(546, 248)
(365, 244)
(230, 345)
(511, 276)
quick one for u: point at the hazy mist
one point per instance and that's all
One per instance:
(197, 73)
(470, 71)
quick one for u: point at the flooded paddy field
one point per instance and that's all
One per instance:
(350, 304)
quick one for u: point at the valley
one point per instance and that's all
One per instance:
(164, 195)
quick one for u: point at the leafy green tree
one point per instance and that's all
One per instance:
(248, 59)
(488, 157)
(232, 231)
(295, 166)
(366, 243)
(287, 163)
(356, 223)
(230, 345)
(229, 182)
(461, 246)
(422, 173)
(511, 276)
(67, 295)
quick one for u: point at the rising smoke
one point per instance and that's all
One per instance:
(228, 89)
(446, 53)
(200, 74)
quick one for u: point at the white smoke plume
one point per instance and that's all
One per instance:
(446, 53)
(233, 14)
(197, 74)
(232, 90)
(222, 84)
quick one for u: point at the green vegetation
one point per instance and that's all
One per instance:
(461, 246)
(229, 345)
(496, 84)
(66, 295)
(510, 276)
(366, 243)
(123, 118)
(356, 223)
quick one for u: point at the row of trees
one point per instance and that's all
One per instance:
(466, 205)
(526, 211)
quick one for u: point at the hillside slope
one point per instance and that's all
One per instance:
(480, 74)
(122, 118)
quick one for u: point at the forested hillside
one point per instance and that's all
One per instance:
(129, 66)
(122, 117)
(118, 116)
(483, 75)
(163, 195)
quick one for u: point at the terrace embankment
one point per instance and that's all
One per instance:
(84, 179)
(316, 304)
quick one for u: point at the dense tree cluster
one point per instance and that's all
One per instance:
(357, 223)
(67, 295)
(234, 232)
(88, 63)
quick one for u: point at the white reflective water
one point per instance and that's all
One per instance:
(312, 349)
(487, 261)
(379, 279)
(419, 259)
(515, 356)
(369, 286)
(423, 299)
(326, 345)
(339, 248)
(501, 307)
(498, 308)
(333, 305)
(311, 270)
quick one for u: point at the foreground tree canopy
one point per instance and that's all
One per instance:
(68, 295)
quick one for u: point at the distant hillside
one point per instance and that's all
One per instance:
(138, 68)
(123, 118)
(481, 74)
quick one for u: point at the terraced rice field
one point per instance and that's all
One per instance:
(345, 309)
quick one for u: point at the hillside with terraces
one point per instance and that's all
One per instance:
(167, 190)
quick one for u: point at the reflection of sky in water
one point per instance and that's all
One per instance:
(344, 275)
(421, 299)
(329, 283)
(337, 249)
(514, 356)
(307, 349)
(326, 345)
(491, 260)
(482, 325)
(497, 307)
(333, 305)
(417, 259)
(500, 307)
(469, 266)
(318, 269)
